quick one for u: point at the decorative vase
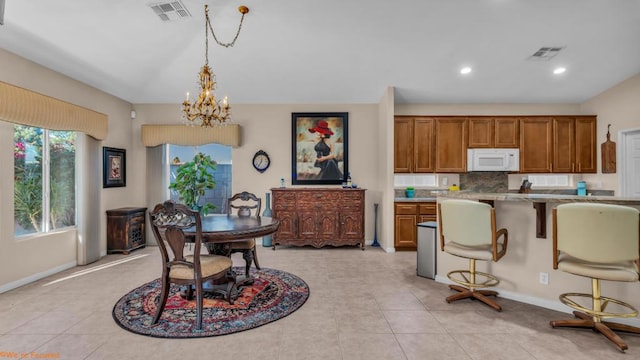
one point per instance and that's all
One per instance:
(266, 240)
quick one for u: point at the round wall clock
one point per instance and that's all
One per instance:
(261, 161)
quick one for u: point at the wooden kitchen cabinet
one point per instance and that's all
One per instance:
(586, 145)
(451, 145)
(559, 144)
(319, 216)
(126, 229)
(407, 217)
(413, 144)
(403, 145)
(564, 147)
(507, 132)
(493, 132)
(574, 141)
(536, 144)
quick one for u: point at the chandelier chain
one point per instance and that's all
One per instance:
(229, 44)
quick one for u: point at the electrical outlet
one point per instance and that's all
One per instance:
(544, 278)
(445, 181)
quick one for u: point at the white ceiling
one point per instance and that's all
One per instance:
(336, 51)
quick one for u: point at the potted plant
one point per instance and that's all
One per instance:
(193, 178)
(409, 191)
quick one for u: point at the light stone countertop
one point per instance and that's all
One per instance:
(415, 199)
(537, 198)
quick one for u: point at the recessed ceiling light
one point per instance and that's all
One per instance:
(465, 70)
(559, 70)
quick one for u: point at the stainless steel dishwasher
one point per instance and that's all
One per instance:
(427, 249)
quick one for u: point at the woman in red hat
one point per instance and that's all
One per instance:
(326, 159)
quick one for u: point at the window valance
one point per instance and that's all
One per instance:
(154, 135)
(25, 107)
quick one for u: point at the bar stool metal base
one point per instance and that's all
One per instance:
(468, 288)
(592, 318)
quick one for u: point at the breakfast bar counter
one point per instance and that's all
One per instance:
(533, 198)
(526, 271)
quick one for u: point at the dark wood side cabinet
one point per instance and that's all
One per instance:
(126, 229)
(319, 216)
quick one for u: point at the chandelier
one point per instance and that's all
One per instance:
(206, 110)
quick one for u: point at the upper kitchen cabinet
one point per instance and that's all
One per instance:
(536, 145)
(413, 144)
(559, 144)
(403, 145)
(586, 146)
(493, 132)
(451, 144)
(574, 144)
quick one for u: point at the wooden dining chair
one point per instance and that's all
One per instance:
(168, 222)
(245, 204)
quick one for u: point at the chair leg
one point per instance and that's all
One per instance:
(255, 258)
(247, 255)
(464, 293)
(164, 295)
(588, 323)
(199, 304)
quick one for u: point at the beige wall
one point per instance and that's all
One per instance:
(26, 259)
(620, 107)
(268, 128)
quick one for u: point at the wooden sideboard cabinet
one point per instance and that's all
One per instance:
(319, 216)
(126, 229)
(407, 217)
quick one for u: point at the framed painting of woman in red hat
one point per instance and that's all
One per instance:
(319, 148)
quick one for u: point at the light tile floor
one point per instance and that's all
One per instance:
(363, 305)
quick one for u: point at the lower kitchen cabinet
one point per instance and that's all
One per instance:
(407, 217)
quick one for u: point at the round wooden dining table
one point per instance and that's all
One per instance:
(230, 228)
(219, 231)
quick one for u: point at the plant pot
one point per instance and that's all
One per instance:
(409, 193)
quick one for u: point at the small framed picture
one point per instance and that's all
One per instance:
(319, 154)
(114, 167)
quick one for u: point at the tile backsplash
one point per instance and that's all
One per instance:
(485, 181)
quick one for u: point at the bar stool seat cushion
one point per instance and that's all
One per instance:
(618, 271)
(478, 252)
(210, 264)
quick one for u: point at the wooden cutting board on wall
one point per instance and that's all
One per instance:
(608, 150)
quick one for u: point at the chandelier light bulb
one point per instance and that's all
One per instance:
(206, 111)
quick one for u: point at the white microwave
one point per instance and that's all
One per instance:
(493, 159)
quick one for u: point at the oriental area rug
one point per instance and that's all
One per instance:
(273, 295)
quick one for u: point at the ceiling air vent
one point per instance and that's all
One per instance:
(171, 10)
(545, 53)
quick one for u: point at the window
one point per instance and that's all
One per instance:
(44, 179)
(222, 175)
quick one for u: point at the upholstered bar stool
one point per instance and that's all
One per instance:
(468, 230)
(601, 242)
